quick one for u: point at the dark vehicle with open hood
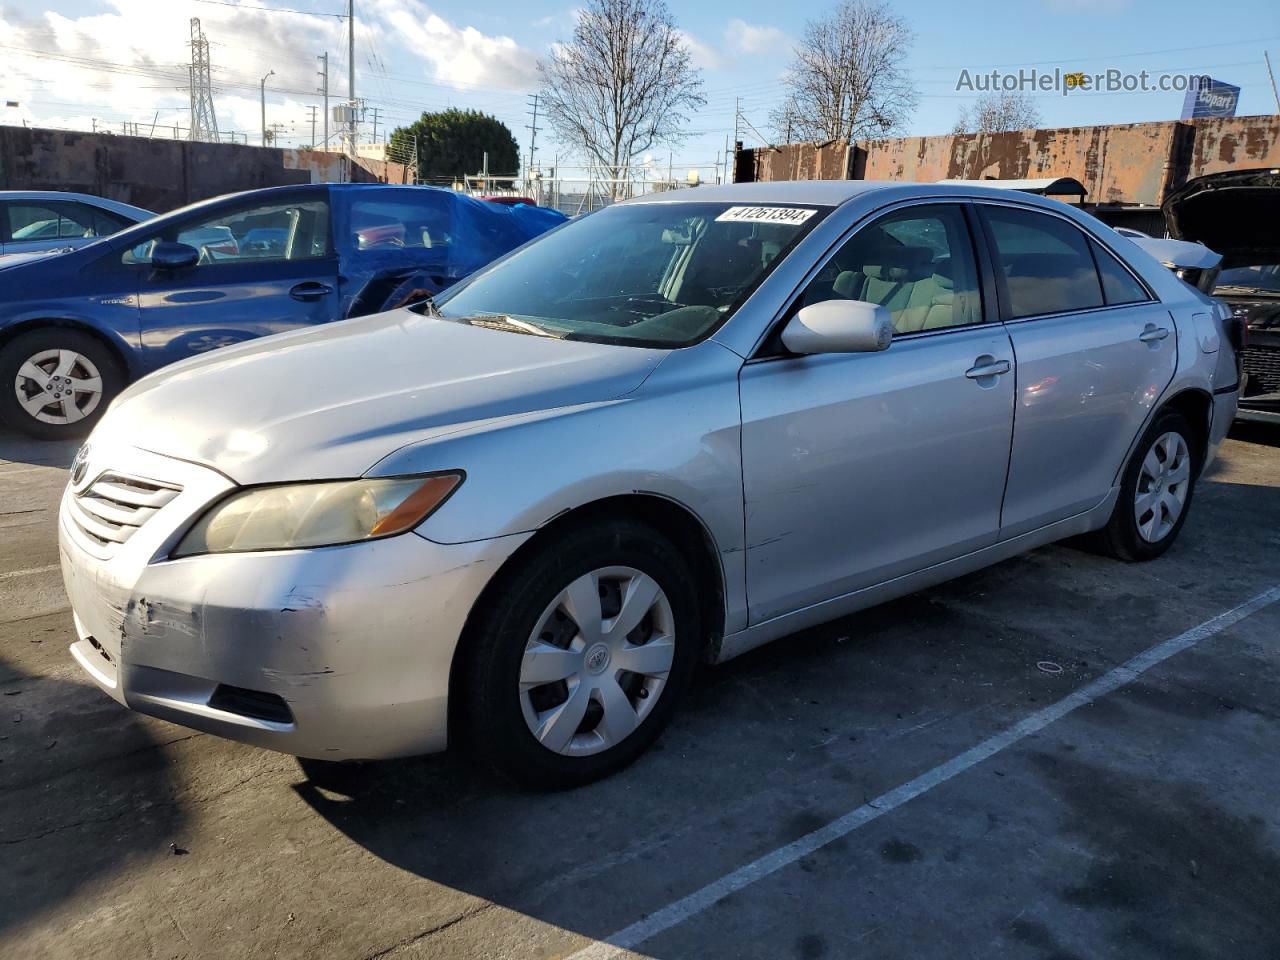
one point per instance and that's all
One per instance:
(1237, 213)
(76, 328)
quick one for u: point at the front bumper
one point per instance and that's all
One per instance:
(334, 653)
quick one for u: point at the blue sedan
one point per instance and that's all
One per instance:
(76, 328)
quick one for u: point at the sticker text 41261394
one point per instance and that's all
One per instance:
(793, 216)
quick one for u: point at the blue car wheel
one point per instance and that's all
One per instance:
(56, 383)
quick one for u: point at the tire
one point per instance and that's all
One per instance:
(82, 361)
(1170, 445)
(585, 730)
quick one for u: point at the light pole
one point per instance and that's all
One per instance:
(270, 73)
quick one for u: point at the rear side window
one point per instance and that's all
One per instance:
(105, 224)
(1118, 284)
(1043, 263)
(400, 221)
(55, 220)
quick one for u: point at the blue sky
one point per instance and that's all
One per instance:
(123, 60)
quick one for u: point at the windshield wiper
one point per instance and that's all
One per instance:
(512, 325)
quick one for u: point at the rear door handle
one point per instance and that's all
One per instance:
(1153, 333)
(987, 366)
(310, 291)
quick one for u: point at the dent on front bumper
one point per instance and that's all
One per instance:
(335, 653)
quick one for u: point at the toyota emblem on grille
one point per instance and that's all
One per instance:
(80, 465)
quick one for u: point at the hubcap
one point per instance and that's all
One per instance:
(1163, 482)
(596, 663)
(58, 386)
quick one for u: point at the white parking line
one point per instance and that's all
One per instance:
(29, 571)
(680, 910)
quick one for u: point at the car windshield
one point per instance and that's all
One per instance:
(1262, 277)
(662, 274)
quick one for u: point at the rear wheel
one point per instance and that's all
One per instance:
(56, 383)
(1155, 491)
(577, 661)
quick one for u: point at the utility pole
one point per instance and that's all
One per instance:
(324, 91)
(731, 171)
(313, 108)
(270, 73)
(351, 71)
(375, 125)
(1266, 56)
(533, 137)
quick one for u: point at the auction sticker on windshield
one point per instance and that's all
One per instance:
(791, 215)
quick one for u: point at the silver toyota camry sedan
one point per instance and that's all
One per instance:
(517, 517)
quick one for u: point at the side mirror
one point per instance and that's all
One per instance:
(167, 255)
(839, 326)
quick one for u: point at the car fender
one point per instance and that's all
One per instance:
(676, 437)
(36, 316)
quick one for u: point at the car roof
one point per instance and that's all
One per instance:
(104, 203)
(837, 192)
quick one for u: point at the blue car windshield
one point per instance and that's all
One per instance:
(662, 274)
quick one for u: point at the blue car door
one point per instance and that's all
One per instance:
(265, 265)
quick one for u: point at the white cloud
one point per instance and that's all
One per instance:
(144, 49)
(704, 56)
(462, 56)
(741, 37)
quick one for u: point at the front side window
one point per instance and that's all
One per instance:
(1043, 263)
(918, 262)
(50, 221)
(262, 232)
(652, 274)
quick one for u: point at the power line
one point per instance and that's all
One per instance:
(244, 6)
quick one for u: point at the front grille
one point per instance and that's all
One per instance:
(1262, 364)
(115, 506)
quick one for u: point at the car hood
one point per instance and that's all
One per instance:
(332, 401)
(1234, 213)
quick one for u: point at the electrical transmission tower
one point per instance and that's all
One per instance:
(204, 123)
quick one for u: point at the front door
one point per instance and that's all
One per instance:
(859, 468)
(1095, 352)
(264, 267)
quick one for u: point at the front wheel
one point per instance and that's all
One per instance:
(1155, 491)
(579, 654)
(56, 383)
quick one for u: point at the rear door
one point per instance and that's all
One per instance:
(266, 266)
(1094, 351)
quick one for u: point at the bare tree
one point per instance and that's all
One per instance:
(1000, 110)
(847, 79)
(622, 84)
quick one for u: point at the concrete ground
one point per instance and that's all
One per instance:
(1143, 824)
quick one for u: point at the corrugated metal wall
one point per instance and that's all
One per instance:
(1123, 163)
(161, 175)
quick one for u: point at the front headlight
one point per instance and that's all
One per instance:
(291, 515)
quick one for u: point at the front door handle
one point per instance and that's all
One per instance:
(310, 291)
(1152, 333)
(987, 366)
